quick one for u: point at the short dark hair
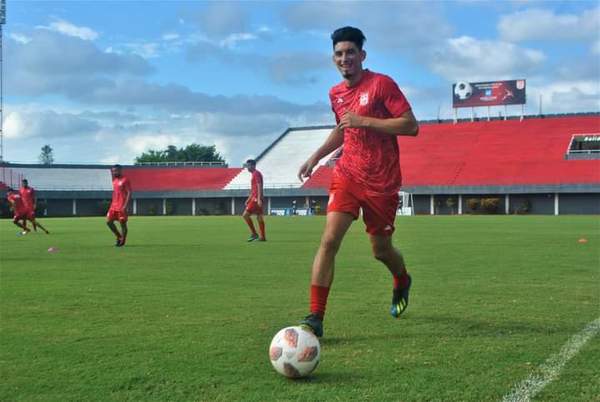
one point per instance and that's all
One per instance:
(117, 166)
(24, 181)
(348, 34)
(251, 162)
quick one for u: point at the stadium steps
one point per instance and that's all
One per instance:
(280, 163)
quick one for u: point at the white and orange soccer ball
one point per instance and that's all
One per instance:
(295, 352)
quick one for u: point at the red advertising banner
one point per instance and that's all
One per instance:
(493, 93)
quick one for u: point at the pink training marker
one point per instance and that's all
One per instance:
(52, 250)
(582, 240)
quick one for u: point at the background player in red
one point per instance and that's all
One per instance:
(30, 201)
(254, 203)
(19, 209)
(371, 112)
(118, 206)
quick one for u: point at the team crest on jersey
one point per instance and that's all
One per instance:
(340, 100)
(364, 99)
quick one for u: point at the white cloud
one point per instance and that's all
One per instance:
(232, 39)
(566, 96)
(20, 38)
(66, 28)
(144, 142)
(46, 123)
(170, 36)
(543, 24)
(13, 125)
(473, 59)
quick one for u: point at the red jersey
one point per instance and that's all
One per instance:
(121, 191)
(256, 183)
(28, 196)
(17, 202)
(370, 158)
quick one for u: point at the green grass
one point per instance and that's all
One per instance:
(187, 309)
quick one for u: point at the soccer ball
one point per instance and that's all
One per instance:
(463, 90)
(294, 352)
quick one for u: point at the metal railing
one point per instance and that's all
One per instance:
(265, 185)
(182, 164)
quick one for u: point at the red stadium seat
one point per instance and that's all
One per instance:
(179, 179)
(492, 154)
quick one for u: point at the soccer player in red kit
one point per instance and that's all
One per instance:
(19, 209)
(370, 112)
(254, 203)
(118, 207)
(29, 199)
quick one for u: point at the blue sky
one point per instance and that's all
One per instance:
(102, 81)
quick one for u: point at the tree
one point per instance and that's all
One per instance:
(47, 155)
(191, 153)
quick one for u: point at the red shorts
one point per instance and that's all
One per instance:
(379, 210)
(29, 214)
(253, 208)
(116, 215)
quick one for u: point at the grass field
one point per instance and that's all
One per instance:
(187, 309)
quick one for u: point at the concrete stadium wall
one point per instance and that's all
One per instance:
(539, 204)
(522, 203)
(579, 204)
(213, 206)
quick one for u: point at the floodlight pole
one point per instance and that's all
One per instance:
(2, 22)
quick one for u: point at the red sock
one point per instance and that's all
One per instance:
(251, 225)
(401, 281)
(318, 299)
(261, 226)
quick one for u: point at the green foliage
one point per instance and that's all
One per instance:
(47, 155)
(490, 205)
(473, 204)
(186, 311)
(191, 153)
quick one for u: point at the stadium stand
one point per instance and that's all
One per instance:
(279, 163)
(495, 153)
(63, 178)
(179, 179)
(514, 166)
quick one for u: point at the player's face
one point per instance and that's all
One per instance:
(250, 167)
(116, 172)
(348, 59)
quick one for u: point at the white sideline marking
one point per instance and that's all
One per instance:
(551, 368)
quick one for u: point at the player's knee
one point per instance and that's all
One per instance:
(382, 253)
(330, 244)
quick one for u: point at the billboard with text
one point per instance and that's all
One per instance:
(492, 93)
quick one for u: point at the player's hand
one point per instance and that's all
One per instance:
(259, 202)
(246, 202)
(305, 170)
(350, 120)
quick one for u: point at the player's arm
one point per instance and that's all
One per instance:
(260, 192)
(333, 142)
(406, 124)
(128, 196)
